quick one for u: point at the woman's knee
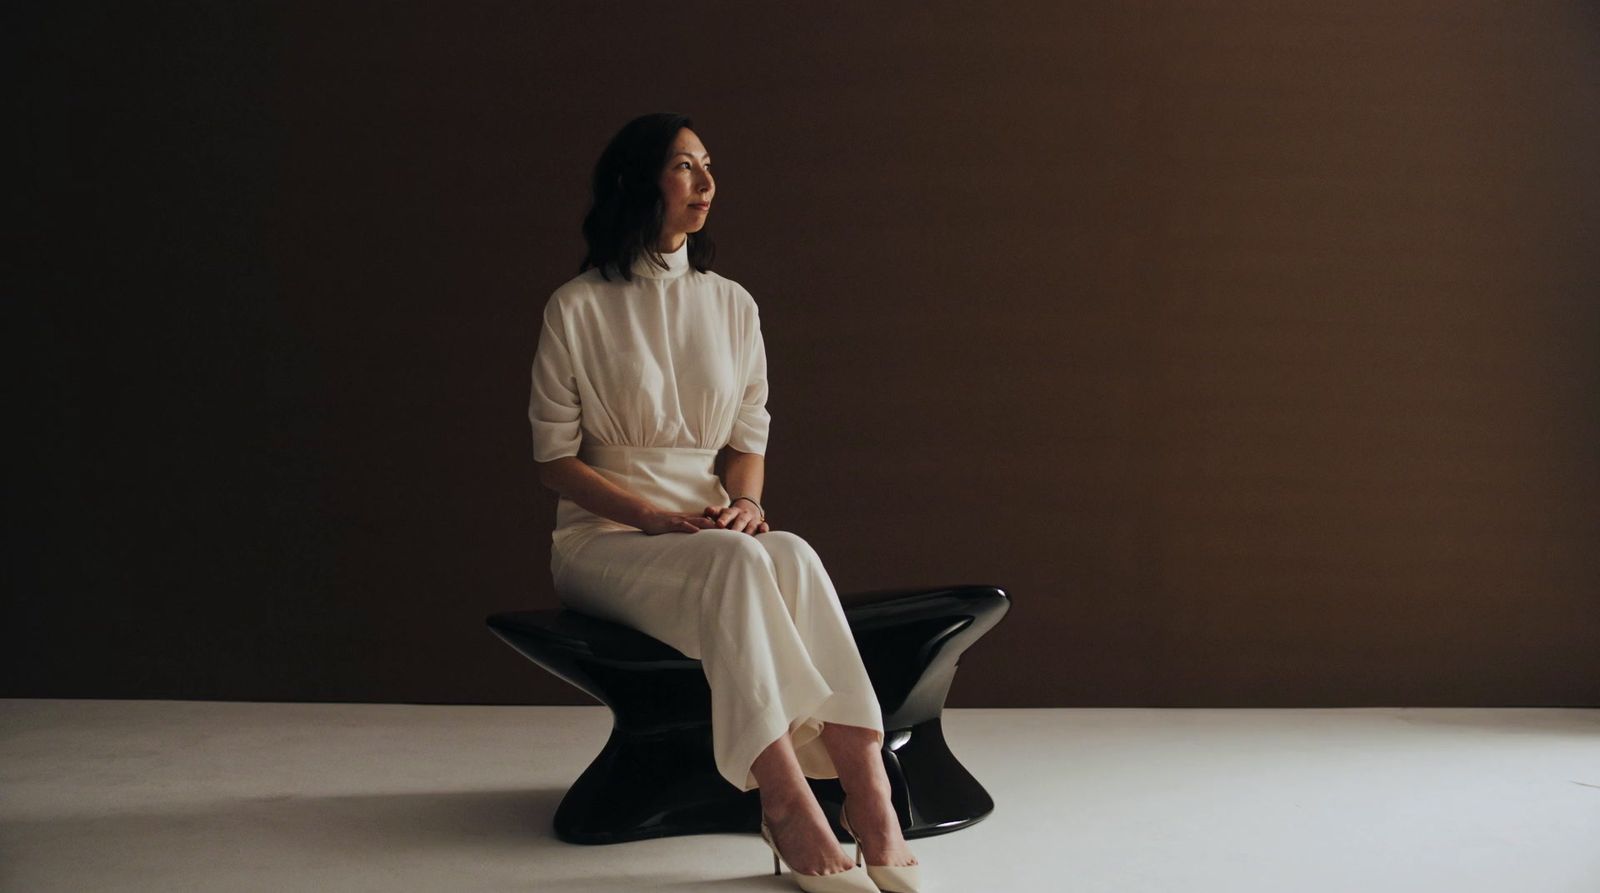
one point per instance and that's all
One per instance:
(734, 547)
(786, 547)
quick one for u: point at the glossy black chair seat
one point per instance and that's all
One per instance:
(656, 777)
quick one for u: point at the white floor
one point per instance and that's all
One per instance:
(182, 795)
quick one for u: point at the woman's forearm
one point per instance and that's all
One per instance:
(743, 474)
(578, 481)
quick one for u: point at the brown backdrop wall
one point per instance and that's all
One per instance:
(1253, 348)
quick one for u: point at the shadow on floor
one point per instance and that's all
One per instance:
(1560, 722)
(357, 821)
(501, 837)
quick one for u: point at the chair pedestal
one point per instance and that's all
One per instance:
(660, 785)
(656, 776)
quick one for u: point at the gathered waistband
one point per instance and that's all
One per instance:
(625, 449)
(650, 461)
(605, 455)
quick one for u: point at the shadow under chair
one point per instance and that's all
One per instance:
(656, 775)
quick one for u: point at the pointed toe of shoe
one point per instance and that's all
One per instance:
(896, 878)
(855, 880)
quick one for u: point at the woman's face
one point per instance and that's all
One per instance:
(686, 189)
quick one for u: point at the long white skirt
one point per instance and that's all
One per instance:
(760, 614)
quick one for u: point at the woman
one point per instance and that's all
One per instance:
(650, 366)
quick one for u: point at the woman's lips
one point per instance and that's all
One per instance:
(705, 206)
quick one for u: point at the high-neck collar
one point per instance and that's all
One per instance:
(677, 264)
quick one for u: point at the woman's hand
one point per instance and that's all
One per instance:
(738, 517)
(675, 522)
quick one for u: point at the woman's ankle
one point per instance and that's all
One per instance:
(869, 792)
(780, 805)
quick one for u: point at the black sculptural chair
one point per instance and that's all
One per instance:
(656, 776)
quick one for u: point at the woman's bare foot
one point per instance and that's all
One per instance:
(873, 820)
(804, 839)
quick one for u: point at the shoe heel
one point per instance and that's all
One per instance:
(845, 824)
(766, 837)
(853, 880)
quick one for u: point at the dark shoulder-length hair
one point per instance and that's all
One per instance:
(626, 210)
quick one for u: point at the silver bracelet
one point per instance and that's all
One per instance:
(754, 503)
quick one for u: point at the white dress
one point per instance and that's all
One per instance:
(645, 381)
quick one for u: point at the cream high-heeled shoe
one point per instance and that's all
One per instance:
(851, 880)
(888, 878)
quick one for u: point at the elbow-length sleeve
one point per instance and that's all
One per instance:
(751, 426)
(553, 405)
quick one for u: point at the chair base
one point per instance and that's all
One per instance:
(644, 786)
(656, 776)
